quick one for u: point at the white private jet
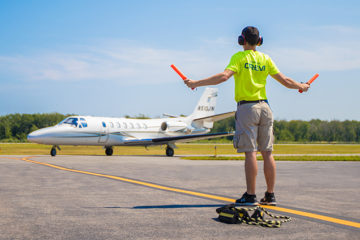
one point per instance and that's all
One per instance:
(109, 132)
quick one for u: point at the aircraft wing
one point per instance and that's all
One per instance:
(215, 118)
(166, 140)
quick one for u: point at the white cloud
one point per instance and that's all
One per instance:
(321, 58)
(337, 30)
(59, 66)
(325, 48)
(109, 61)
(127, 62)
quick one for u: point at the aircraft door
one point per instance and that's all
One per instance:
(104, 133)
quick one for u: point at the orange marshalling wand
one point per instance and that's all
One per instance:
(178, 72)
(310, 81)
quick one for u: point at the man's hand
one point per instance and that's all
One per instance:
(304, 87)
(190, 83)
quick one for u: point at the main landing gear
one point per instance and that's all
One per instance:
(109, 151)
(53, 150)
(169, 151)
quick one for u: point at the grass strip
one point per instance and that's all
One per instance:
(282, 158)
(184, 149)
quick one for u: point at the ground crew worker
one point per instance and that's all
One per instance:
(254, 119)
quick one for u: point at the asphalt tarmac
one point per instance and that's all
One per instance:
(142, 197)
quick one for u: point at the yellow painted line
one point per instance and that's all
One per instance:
(134, 181)
(210, 196)
(315, 216)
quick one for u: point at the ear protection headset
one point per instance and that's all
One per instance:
(242, 40)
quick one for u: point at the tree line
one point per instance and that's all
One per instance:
(15, 128)
(305, 131)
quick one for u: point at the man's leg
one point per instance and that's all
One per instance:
(269, 170)
(250, 172)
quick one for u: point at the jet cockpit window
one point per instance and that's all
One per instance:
(70, 121)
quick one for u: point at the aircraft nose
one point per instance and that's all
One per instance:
(36, 136)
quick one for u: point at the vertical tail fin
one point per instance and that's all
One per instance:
(206, 104)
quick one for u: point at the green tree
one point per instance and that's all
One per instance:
(286, 135)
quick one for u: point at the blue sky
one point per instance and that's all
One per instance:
(112, 58)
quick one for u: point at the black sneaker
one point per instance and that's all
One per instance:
(269, 199)
(247, 200)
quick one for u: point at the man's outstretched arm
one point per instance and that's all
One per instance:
(213, 80)
(290, 83)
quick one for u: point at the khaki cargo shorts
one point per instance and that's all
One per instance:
(254, 128)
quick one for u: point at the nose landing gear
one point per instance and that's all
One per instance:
(53, 150)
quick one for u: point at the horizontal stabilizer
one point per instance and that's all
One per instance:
(214, 118)
(169, 115)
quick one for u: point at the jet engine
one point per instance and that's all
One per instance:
(173, 126)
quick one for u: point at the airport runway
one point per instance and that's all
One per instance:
(154, 197)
